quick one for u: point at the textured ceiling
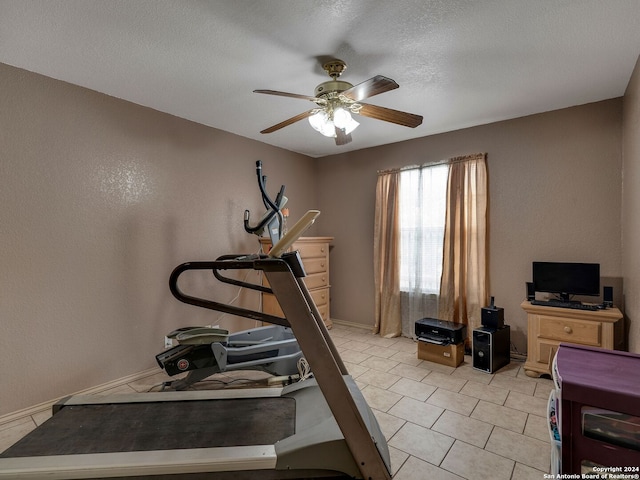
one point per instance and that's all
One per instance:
(459, 63)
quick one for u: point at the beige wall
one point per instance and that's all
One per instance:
(100, 199)
(631, 207)
(554, 195)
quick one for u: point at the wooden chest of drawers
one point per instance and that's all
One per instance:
(550, 326)
(314, 252)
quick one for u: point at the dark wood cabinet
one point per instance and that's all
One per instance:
(599, 409)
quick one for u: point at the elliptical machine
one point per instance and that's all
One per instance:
(272, 221)
(205, 351)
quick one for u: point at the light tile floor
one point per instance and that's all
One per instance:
(450, 423)
(441, 423)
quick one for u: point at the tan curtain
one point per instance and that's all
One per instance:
(464, 285)
(386, 254)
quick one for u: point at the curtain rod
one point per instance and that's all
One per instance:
(463, 158)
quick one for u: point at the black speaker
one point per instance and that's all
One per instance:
(491, 348)
(492, 317)
(607, 297)
(531, 292)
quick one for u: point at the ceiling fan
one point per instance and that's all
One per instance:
(336, 100)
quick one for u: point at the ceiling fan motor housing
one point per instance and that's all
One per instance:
(331, 86)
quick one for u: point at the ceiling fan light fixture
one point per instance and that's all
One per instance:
(350, 126)
(321, 122)
(341, 117)
(326, 121)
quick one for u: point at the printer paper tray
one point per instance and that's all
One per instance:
(436, 341)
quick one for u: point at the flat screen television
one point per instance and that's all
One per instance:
(567, 279)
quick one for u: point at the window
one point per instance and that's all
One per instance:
(422, 219)
(415, 214)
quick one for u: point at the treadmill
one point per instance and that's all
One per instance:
(205, 351)
(320, 427)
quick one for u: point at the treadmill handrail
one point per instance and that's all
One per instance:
(223, 307)
(240, 283)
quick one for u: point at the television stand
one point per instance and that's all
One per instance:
(549, 326)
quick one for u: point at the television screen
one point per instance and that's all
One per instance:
(566, 279)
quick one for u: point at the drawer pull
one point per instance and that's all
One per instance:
(568, 329)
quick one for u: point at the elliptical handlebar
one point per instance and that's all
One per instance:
(229, 262)
(262, 182)
(273, 208)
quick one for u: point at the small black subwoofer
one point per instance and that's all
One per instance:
(491, 348)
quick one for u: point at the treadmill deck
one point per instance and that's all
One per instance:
(131, 427)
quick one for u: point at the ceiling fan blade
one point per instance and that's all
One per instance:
(285, 94)
(389, 115)
(369, 88)
(289, 121)
(342, 138)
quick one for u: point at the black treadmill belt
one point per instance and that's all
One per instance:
(171, 425)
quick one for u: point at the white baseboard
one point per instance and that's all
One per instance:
(346, 323)
(44, 406)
